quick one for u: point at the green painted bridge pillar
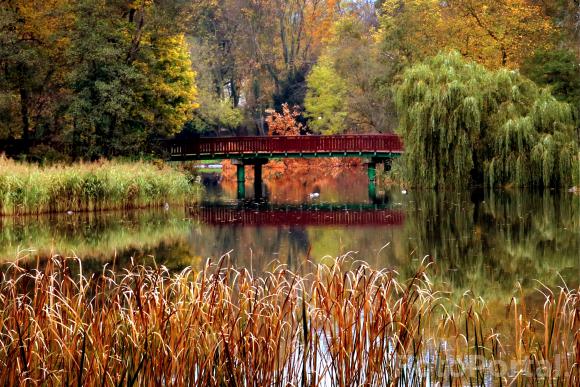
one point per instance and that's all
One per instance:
(257, 163)
(372, 171)
(241, 174)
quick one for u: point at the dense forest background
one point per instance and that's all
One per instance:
(84, 79)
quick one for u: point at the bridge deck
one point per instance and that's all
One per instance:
(371, 145)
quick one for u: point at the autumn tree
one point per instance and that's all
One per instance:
(132, 80)
(283, 41)
(217, 45)
(348, 87)
(32, 43)
(566, 13)
(496, 33)
(261, 51)
(93, 78)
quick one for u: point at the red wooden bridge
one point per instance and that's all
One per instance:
(257, 150)
(368, 145)
(290, 216)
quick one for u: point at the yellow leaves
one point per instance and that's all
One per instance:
(416, 24)
(38, 20)
(172, 82)
(136, 4)
(495, 33)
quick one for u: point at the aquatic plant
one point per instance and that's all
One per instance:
(462, 124)
(104, 185)
(344, 324)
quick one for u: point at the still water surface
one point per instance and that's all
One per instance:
(487, 242)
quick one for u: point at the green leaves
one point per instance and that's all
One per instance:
(349, 87)
(133, 83)
(93, 78)
(558, 69)
(325, 100)
(460, 120)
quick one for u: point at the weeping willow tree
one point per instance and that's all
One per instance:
(464, 124)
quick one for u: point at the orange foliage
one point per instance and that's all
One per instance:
(320, 15)
(308, 170)
(294, 179)
(496, 33)
(284, 124)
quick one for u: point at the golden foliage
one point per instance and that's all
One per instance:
(496, 33)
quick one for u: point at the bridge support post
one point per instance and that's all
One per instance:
(257, 163)
(258, 180)
(372, 172)
(241, 175)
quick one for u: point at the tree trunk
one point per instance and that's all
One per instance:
(24, 99)
(234, 90)
(503, 57)
(136, 41)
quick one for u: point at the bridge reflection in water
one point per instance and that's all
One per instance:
(305, 215)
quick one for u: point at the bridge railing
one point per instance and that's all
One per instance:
(287, 144)
(232, 217)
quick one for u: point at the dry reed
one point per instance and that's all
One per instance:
(345, 325)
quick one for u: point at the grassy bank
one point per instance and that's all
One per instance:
(343, 325)
(105, 185)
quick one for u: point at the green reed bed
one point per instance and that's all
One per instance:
(345, 325)
(104, 185)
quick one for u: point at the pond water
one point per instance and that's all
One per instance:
(487, 242)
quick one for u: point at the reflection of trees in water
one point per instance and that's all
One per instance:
(294, 186)
(537, 233)
(256, 246)
(90, 236)
(486, 242)
(298, 246)
(498, 239)
(167, 236)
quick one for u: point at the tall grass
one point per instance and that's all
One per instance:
(345, 324)
(32, 189)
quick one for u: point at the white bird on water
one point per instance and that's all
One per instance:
(404, 191)
(313, 195)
